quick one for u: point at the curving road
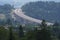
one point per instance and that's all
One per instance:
(21, 14)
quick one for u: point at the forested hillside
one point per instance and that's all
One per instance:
(49, 11)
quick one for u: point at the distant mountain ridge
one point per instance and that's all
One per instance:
(50, 11)
(5, 11)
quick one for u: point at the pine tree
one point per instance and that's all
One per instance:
(11, 37)
(59, 36)
(3, 33)
(43, 24)
(56, 30)
(43, 34)
(21, 33)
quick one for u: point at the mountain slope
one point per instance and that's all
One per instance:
(50, 11)
(5, 11)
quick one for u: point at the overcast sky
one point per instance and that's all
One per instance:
(19, 3)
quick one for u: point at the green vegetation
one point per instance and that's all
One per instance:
(3, 33)
(43, 32)
(31, 31)
(21, 33)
